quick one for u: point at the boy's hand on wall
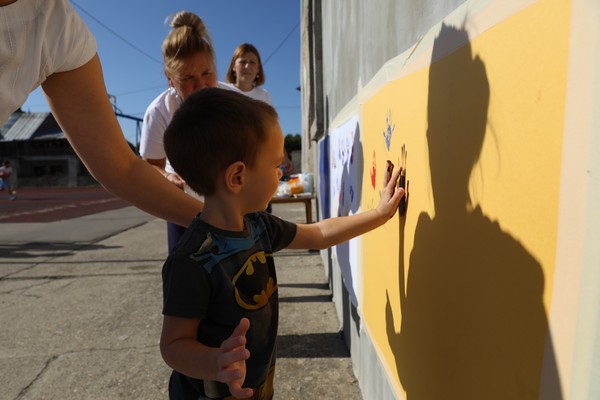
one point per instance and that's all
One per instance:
(232, 361)
(390, 197)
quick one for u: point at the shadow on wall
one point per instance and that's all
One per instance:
(473, 321)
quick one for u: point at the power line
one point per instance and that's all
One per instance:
(281, 44)
(116, 34)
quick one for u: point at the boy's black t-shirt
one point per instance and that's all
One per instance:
(219, 277)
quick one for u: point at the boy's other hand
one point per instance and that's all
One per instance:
(232, 361)
(390, 196)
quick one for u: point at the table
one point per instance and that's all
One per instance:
(307, 200)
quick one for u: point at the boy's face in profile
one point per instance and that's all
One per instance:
(263, 177)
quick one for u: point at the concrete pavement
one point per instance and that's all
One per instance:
(80, 313)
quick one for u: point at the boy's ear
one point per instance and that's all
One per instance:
(235, 176)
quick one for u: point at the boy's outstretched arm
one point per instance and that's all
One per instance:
(184, 353)
(332, 231)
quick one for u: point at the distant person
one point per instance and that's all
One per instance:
(287, 168)
(5, 173)
(219, 284)
(46, 43)
(189, 65)
(246, 73)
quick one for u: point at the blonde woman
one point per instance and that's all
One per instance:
(189, 65)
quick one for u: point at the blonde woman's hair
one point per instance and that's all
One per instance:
(188, 37)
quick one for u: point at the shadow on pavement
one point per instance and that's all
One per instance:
(313, 345)
(47, 249)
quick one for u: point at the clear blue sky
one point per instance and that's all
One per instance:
(130, 33)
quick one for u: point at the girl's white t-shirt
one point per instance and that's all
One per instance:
(257, 93)
(39, 38)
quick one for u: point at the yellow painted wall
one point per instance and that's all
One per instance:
(456, 295)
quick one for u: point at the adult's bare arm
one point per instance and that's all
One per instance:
(80, 104)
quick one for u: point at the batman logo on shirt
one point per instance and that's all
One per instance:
(253, 283)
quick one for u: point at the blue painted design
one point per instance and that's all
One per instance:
(387, 134)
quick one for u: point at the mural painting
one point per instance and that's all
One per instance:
(456, 294)
(345, 194)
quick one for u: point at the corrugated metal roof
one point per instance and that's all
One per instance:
(23, 126)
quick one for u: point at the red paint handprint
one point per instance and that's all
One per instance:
(374, 172)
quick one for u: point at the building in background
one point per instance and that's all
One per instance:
(40, 153)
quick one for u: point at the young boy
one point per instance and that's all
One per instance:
(219, 284)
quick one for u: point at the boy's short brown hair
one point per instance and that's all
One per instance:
(212, 129)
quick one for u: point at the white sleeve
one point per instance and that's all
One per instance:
(38, 38)
(75, 45)
(153, 131)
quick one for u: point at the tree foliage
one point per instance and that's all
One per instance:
(293, 142)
